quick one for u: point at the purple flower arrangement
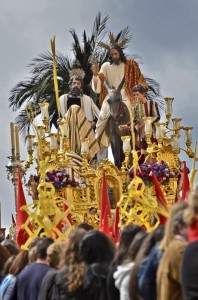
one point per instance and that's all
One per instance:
(60, 179)
(160, 169)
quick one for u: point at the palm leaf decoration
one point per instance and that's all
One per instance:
(39, 86)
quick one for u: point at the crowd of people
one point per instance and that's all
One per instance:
(159, 265)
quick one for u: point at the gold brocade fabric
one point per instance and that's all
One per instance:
(80, 128)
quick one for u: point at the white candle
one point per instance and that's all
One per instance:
(188, 135)
(12, 136)
(126, 143)
(64, 128)
(17, 140)
(148, 125)
(29, 139)
(44, 110)
(85, 145)
(175, 142)
(168, 108)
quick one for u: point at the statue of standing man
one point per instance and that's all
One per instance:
(113, 72)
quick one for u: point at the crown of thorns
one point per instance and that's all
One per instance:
(112, 41)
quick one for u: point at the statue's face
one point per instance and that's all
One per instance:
(138, 96)
(115, 55)
(75, 88)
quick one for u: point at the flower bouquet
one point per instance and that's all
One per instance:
(60, 179)
(160, 169)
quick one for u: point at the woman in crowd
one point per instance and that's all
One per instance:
(128, 233)
(19, 263)
(147, 281)
(189, 269)
(123, 271)
(137, 282)
(65, 282)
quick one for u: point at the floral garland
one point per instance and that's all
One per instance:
(60, 179)
(160, 169)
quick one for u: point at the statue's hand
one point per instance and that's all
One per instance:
(95, 69)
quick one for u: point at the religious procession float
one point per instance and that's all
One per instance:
(69, 187)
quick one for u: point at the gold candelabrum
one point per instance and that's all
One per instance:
(127, 151)
(168, 137)
(14, 163)
(53, 146)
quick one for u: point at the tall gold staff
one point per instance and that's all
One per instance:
(193, 171)
(55, 75)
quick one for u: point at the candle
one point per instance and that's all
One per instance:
(168, 108)
(12, 136)
(126, 143)
(176, 123)
(17, 140)
(85, 145)
(148, 125)
(44, 110)
(64, 128)
(175, 142)
(188, 134)
(29, 140)
(158, 131)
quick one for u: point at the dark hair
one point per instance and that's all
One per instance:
(139, 88)
(41, 248)
(127, 235)
(146, 246)
(11, 246)
(135, 245)
(19, 263)
(96, 247)
(4, 255)
(86, 226)
(8, 264)
(119, 49)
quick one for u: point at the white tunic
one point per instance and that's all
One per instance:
(114, 75)
(88, 106)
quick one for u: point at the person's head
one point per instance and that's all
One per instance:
(55, 255)
(86, 226)
(139, 92)
(168, 233)
(117, 55)
(135, 245)
(179, 226)
(19, 263)
(76, 85)
(32, 249)
(73, 259)
(41, 248)
(128, 233)
(11, 246)
(96, 247)
(72, 253)
(191, 213)
(4, 255)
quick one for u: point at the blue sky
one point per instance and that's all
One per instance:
(164, 36)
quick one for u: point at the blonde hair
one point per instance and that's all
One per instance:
(55, 254)
(169, 232)
(192, 210)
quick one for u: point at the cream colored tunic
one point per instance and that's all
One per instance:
(88, 106)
